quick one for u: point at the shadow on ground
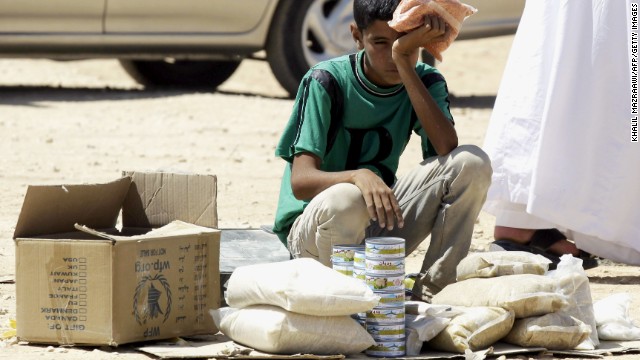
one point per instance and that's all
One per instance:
(32, 95)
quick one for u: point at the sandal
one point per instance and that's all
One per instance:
(539, 244)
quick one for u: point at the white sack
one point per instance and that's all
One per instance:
(574, 283)
(415, 307)
(274, 330)
(555, 331)
(303, 286)
(413, 344)
(526, 294)
(501, 263)
(476, 328)
(613, 320)
(426, 327)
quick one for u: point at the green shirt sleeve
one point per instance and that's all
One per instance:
(308, 126)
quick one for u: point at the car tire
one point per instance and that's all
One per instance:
(181, 73)
(296, 39)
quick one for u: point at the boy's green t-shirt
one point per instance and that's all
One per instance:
(350, 123)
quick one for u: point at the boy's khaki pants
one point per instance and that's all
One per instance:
(442, 197)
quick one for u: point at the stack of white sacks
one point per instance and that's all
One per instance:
(510, 297)
(301, 306)
(296, 306)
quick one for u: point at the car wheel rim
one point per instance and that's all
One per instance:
(325, 30)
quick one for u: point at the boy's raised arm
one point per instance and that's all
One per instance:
(441, 132)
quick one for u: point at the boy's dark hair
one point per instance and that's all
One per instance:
(366, 12)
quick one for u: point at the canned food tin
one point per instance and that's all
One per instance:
(384, 247)
(385, 282)
(359, 258)
(387, 349)
(385, 315)
(360, 316)
(359, 273)
(343, 267)
(386, 332)
(385, 266)
(345, 253)
(391, 298)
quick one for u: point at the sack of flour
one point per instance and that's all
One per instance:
(303, 286)
(274, 330)
(574, 283)
(426, 326)
(410, 14)
(555, 331)
(413, 344)
(501, 263)
(476, 328)
(613, 319)
(526, 294)
(414, 307)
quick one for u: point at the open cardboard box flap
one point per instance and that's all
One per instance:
(55, 209)
(148, 200)
(156, 199)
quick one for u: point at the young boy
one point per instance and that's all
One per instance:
(351, 121)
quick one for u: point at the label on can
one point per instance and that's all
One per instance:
(387, 349)
(343, 268)
(386, 315)
(391, 298)
(385, 266)
(345, 253)
(386, 331)
(384, 247)
(359, 273)
(359, 258)
(385, 282)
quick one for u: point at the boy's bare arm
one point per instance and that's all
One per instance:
(307, 181)
(441, 132)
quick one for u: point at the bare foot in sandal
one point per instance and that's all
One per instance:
(550, 243)
(523, 236)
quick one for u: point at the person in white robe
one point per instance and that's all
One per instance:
(561, 133)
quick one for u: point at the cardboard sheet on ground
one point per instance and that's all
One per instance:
(221, 347)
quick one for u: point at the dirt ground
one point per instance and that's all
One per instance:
(87, 121)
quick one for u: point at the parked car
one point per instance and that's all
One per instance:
(202, 42)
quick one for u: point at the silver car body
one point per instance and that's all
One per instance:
(224, 32)
(138, 28)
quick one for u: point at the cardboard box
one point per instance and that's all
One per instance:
(82, 279)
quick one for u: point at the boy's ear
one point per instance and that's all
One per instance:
(356, 34)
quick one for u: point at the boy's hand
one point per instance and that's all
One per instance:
(382, 204)
(432, 30)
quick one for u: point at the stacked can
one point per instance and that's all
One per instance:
(384, 274)
(359, 269)
(349, 260)
(342, 258)
(359, 273)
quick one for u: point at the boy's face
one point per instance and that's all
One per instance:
(377, 41)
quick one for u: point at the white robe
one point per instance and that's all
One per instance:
(560, 132)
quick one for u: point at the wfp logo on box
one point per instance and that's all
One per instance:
(152, 299)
